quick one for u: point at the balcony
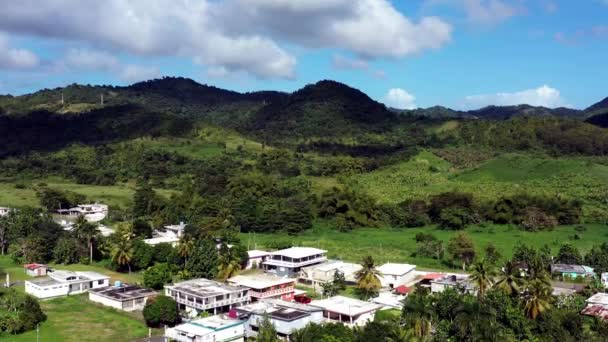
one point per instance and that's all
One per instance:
(295, 264)
(211, 305)
(271, 293)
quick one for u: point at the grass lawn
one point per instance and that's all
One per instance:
(397, 245)
(75, 319)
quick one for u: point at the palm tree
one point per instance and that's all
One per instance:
(399, 333)
(184, 248)
(418, 312)
(537, 299)
(509, 279)
(122, 253)
(87, 231)
(476, 321)
(482, 275)
(229, 263)
(368, 277)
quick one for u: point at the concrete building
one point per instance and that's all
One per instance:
(64, 283)
(122, 296)
(209, 329)
(597, 305)
(92, 212)
(256, 258)
(288, 262)
(264, 286)
(324, 272)
(347, 310)
(198, 295)
(572, 271)
(171, 234)
(393, 275)
(285, 316)
(389, 300)
(458, 281)
(35, 270)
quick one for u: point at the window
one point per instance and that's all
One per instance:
(100, 282)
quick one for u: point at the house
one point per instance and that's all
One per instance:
(69, 225)
(572, 271)
(457, 281)
(255, 258)
(285, 316)
(324, 272)
(393, 275)
(4, 211)
(122, 296)
(35, 270)
(171, 234)
(212, 329)
(204, 295)
(288, 262)
(597, 305)
(426, 279)
(265, 286)
(390, 300)
(92, 212)
(350, 311)
(63, 283)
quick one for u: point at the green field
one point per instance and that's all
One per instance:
(119, 195)
(75, 319)
(397, 245)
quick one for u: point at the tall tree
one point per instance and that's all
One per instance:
(418, 314)
(203, 263)
(461, 248)
(509, 279)
(122, 253)
(569, 254)
(229, 263)
(86, 231)
(266, 331)
(184, 248)
(368, 278)
(537, 298)
(482, 275)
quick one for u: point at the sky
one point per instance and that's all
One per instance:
(464, 54)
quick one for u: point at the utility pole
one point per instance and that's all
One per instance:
(38, 332)
(62, 102)
(102, 99)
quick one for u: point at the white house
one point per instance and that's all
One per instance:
(63, 283)
(171, 234)
(35, 270)
(263, 286)
(347, 310)
(4, 211)
(198, 295)
(209, 329)
(393, 275)
(256, 258)
(285, 316)
(324, 272)
(122, 296)
(288, 262)
(460, 281)
(92, 212)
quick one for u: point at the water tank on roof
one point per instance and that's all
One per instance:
(117, 283)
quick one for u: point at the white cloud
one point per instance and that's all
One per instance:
(487, 12)
(13, 58)
(542, 96)
(136, 73)
(379, 74)
(400, 99)
(90, 60)
(341, 62)
(233, 35)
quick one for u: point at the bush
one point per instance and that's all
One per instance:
(157, 276)
(536, 219)
(160, 311)
(454, 218)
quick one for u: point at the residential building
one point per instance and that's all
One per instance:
(572, 271)
(35, 270)
(256, 258)
(171, 234)
(390, 300)
(92, 212)
(458, 281)
(68, 225)
(324, 272)
(63, 283)
(263, 286)
(597, 305)
(285, 316)
(198, 295)
(122, 296)
(288, 262)
(211, 329)
(347, 310)
(393, 275)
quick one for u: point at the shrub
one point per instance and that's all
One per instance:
(160, 311)
(536, 219)
(157, 276)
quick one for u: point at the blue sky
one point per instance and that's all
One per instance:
(457, 53)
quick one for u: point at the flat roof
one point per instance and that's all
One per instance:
(124, 292)
(204, 287)
(80, 275)
(599, 298)
(332, 265)
(256, 253)
(161, 239)
(346, 306)
(565, 268)
(279, 309)
(299, 252)
(203, 326)
(396, 269)
(45, 281)
(259, 281)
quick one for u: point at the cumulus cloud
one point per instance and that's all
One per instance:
(135, 73)
(488, 12)
(341, 62)
(542, 96)
(13, 58)
(400, 99)
(209, 32)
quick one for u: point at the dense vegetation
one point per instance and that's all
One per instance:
(19, 312)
